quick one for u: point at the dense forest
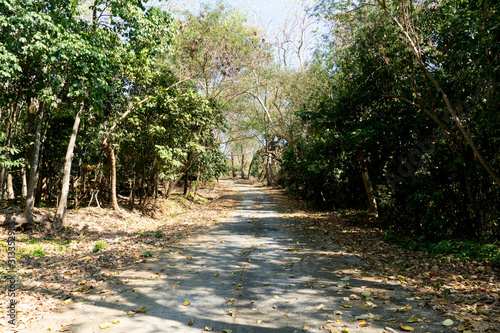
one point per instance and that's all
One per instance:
(396, 112)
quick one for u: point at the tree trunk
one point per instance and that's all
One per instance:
(173, 183)
(232, 166)
(2, 177)
(269, 171)
(242, 163)
(249, 173)
(112, 162)
(186, 182)
(10, 187)
(370, 193)
(60, 219)
(30, 196)
(24, 191)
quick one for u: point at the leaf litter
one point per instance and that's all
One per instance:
(70, 270)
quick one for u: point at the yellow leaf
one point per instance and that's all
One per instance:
(216, 274)
(346, 305)
(191, 322)
(363, 323)
(266, 284)
(306, 328)
(207, 328)
(407, 328)
(106, 325)
(142, 310)
(186, 303)
(68, 301)
(413, 320)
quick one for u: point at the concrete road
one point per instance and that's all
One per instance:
(252, 272)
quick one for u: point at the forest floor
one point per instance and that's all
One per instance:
(58, 271)
(56, 268)
(466, 291)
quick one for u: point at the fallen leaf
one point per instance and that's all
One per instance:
(346, 305)
(345, 278)
(107, 325)
(142, 310)
(363, 323)
(370, 305)
(306, 328)
(191, 322)
(413, 320)
(447, 322)
(319, 307)
(208, 328)
(186, 303)
(407, 328)
(405, 308)
(266, 284)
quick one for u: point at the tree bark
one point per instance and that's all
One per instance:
(249, 173)
(186, 182)
(112, 162)
(269, 170)
(24, 191)
(232, 166)
(30, 196)
(10, 187)
(242, 163)
(60, 218)
(370, 193)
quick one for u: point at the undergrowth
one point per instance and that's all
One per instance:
(485, 249)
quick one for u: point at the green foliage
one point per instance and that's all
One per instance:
(485, 249)
(38, 252)
(379, 113)
(99, 246)
(158, 234)
(147, 254)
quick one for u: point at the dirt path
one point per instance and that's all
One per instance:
(249, 273)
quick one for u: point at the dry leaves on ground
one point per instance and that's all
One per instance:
(57, 269)
(469, 292)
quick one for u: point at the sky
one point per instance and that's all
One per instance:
(268, 15)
